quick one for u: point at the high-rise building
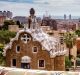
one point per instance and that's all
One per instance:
(70, 17)
(64, 16)
(1, 13)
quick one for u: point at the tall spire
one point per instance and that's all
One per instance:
(32, 12)
(32, 19)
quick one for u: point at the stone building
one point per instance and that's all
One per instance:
(32, 48)
(2, 19)
(7, 14)
(13, 28)
(78, 45)
(47, 21)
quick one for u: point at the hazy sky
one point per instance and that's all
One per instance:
(54, 7)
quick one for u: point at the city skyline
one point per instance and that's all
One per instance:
(52, 7)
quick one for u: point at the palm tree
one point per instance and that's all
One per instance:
(69, 39)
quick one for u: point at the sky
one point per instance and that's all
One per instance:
(42, 7)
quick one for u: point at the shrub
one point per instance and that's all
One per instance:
(68, 63)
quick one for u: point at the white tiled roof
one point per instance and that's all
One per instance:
(49, 43)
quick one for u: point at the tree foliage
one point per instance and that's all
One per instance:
(7, 23)
(68, 63)
(69, 39)
(5, 36)
(17, 22)
(4, 39)
(49, 22)
(78, 32)
(20, 25)
(2, 58)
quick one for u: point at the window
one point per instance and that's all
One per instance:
(41, 63)
(28, 38)
(17, 49)
(61, 40)
(14, 62)
(35, 49)
(25, 38)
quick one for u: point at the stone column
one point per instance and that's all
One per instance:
(52, 63)
(59, 63)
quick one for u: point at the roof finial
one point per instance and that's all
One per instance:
(32, 12)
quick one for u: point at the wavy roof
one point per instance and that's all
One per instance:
(49, 43)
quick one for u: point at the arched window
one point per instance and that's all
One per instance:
(25, 62)
(25, 59)
(26, 38)
(17, 49)
(34, 49)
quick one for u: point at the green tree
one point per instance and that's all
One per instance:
(78, 32)
(17, 22)
(68, 63)
(2, 58)
(5, 36)
(4, 39)
(69, 39)
(7, 23)
(20, 25)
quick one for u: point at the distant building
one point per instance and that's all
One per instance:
(70, 17)
(65, 17)
(67, 24)
(46, 29)
(78, 25)
(39, 20)
(21, 19)
(2, 19)
(47, 21)
(7, 14)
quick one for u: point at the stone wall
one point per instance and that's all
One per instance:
(78, 45)
(26, 50)
(59, 63)
(13, 28)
